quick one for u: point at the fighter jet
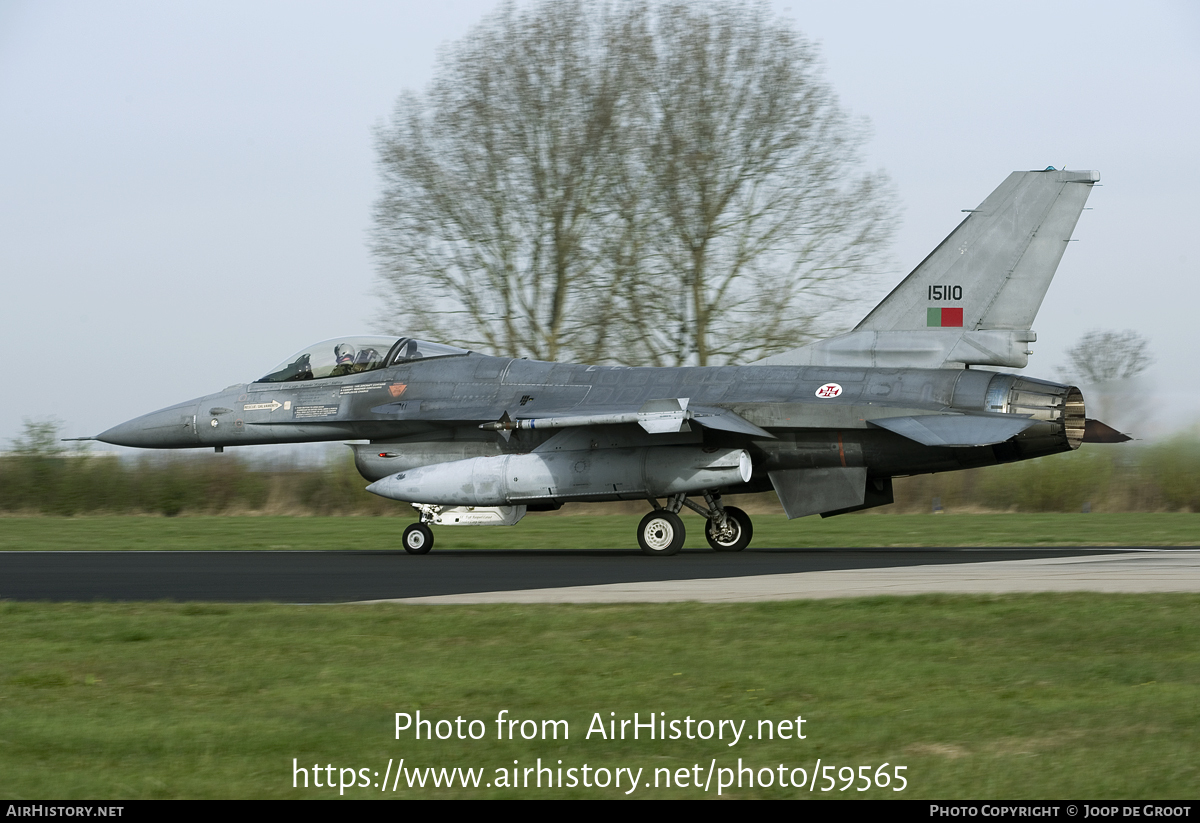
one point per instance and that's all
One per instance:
(472, 439)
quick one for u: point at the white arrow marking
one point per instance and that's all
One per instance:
(272, 406)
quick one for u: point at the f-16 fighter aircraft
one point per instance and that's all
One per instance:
(470, 439)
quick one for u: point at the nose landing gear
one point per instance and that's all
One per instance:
(417, 539)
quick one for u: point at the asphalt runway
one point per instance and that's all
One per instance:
(485, 576)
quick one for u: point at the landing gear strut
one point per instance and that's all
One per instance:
(735, 535)
(662, 532)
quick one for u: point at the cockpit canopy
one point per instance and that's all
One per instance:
(352, 355)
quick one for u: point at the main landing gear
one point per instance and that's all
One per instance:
(661, 532)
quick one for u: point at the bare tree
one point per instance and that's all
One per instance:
(489, 227)
(752, 174)
(634, 183)
(1105, 356)
(1107, 364)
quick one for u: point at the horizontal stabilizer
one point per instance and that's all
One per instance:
(955, 429)
(1096, 432)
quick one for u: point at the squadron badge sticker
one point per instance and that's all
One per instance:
(829, 390)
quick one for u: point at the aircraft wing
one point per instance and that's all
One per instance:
(655, 416)
(956, 429)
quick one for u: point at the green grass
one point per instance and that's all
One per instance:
(1015, 696)
(116, 533)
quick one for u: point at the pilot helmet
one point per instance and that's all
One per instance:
(343, 353)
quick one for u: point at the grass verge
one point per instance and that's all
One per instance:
(1014, 696)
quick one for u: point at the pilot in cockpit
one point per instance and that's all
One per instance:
(367, 359)
(343, 354)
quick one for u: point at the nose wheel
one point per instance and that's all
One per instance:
(417, 539)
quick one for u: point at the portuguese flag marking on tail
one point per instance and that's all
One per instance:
(944, 317)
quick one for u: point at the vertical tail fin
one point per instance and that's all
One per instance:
(993, 270)
(972, 301)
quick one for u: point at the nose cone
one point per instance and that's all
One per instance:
(170, 428)
(415, 486)
(387, 487)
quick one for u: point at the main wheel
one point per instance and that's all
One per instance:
(417, 539)
(661, 533)
(738, 535)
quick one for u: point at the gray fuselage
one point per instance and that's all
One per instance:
(429, 411)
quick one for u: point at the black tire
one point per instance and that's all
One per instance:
(742, 527)
(661, 533)
(417, 539)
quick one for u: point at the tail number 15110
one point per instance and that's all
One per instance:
(945, 292)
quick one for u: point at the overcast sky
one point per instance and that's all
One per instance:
(185, 188)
